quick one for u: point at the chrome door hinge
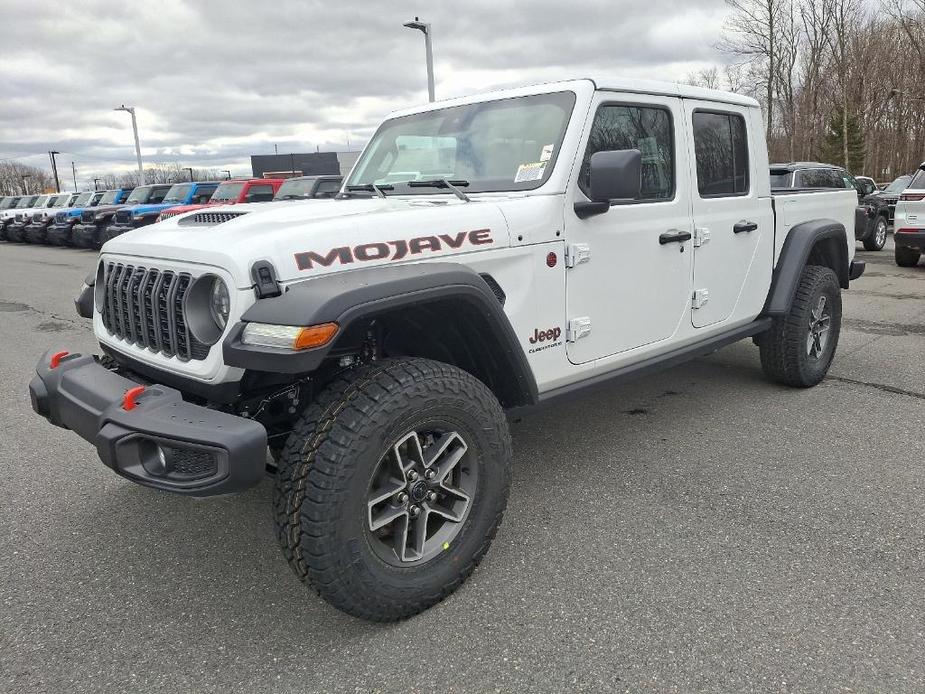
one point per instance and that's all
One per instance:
(577, 253)
(578, 328)
(701, 236)
(701, 297)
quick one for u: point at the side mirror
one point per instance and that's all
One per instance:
(615, 177)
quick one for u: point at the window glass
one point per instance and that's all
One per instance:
(645, 128)
(261, 192)
(227, 191)
(328, 188)
(918, 181)
(780, 178)
(499, 145)
(721, 150)
(898, 185)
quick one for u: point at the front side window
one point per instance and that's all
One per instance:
(646, 128)
(502, 145)
(327, 188)
(721, 150)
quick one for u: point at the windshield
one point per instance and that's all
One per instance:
(83, 199)
(502, 145)
(780, 179)
(295, 188)
(60, 201)
(42, 202)
(226, 192)
(178, 192)
(899, 185)
(139, 195)
(8, 203)
(109, 197)
(26, 202)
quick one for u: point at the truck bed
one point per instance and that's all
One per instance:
(793, 206)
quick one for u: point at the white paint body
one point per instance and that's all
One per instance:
(636, 293)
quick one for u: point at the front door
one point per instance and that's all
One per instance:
(633, 289)
(733, 223)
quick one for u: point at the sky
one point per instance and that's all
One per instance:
(216, 81)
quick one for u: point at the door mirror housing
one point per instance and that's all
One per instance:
(615, 178)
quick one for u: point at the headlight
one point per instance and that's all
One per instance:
(294, 337)
(206, 307)
(219, 302)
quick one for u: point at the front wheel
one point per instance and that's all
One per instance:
(876, 240)
(392, 485)
(798, 348)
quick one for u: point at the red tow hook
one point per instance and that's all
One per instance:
(131, 396)
(56, 359)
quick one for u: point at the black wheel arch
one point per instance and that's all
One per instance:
(441, 311)
(816, 242)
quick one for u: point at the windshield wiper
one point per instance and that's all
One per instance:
(371, 188)
(442, 183)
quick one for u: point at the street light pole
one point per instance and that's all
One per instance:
(226, 171)
(96, 184)
(190, 169)
(24, 177)
(131, 111)
(425, 28)
(54, 170)
(74, 171)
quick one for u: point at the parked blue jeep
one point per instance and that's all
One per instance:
(135, 216)
(59, 231)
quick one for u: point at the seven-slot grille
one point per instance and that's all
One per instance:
(144, 306)
(209, 218)
(87, 216)
(60, 217)
(123, 217)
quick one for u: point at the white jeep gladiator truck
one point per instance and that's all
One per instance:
(486, 253)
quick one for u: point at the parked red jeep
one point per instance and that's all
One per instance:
(233, 192)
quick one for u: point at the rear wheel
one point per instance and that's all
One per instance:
(799, 347)
(392, 485)
(876, 240)
(907, 257)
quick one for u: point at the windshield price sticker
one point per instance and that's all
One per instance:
(530, 172)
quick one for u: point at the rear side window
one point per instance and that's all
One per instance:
(646, 128)
(721, 149)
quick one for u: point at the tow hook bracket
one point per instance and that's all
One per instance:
(130, 399)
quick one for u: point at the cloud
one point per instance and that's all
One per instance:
(214, 82)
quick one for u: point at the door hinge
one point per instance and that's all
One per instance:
(701, 236)
(701, 297)
(578, 328)
(577, 253)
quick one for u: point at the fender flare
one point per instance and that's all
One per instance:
(799, 244)
(347, 297)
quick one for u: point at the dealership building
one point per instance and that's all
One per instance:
(302, 164)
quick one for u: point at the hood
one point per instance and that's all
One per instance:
(104, 209)
(138, 210)
(304, 239)
(183, 209)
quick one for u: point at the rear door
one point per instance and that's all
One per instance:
(732, 222)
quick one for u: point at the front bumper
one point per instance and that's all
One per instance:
(114, 230)
(60, 234)
(163, 442)
(910, 239)
(16, 232)
(86, 235)
(37, 232)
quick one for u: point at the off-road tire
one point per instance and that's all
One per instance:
(783, 347)
(906, 257)
(320, 495)
(876, 239)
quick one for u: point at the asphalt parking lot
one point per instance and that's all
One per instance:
(702, 529)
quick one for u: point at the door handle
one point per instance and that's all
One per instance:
(674, 236)
(744, 226)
